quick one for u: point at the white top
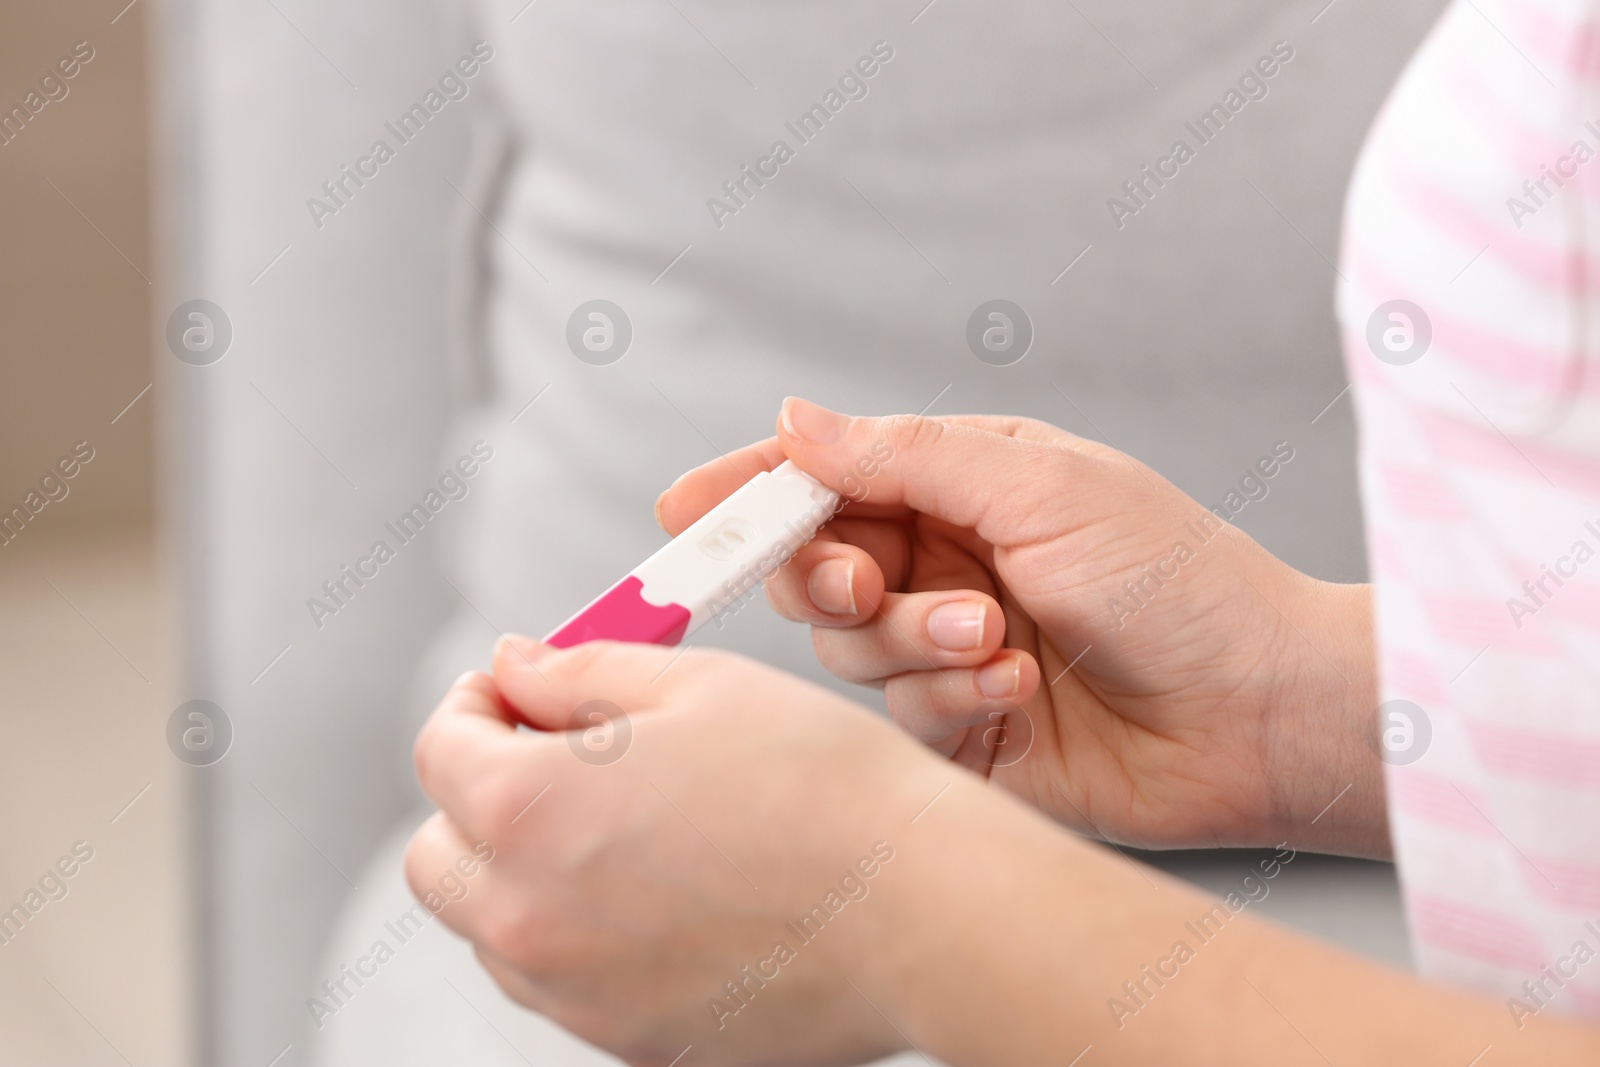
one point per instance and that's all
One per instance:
(1480, 462)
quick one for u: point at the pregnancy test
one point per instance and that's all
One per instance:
(709, 566)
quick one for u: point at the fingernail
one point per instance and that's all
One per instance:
(1001, 679)
(957, 626)
(466, 676)
(659, 499)
(831, 586)
(812, 422)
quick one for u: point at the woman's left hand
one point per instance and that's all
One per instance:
(685, 849)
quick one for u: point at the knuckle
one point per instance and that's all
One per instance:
(530, 938)
(917, 704)
(906, 699)
(510, 930)
(580, 659)
(497, 799)
(1056, 477)
(422, 754)
(847, 655)
(418, 878)
(913, 432)
(425, 748)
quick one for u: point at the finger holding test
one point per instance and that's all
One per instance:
(953, 470)
(934, 706)
(469, 737)
(703, 488)
(827, 583)
(884, 544)
(545, 685)
(432, 853)
(914, 632)
(698, 491)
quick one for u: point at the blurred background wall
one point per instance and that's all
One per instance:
(99, 974)
(75, 263)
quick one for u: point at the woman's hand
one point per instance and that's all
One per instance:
(702, 861)
(1050, 612)
(657, 863)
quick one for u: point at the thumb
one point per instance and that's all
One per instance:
(966, 475)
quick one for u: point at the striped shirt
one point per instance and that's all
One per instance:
(1468, 300)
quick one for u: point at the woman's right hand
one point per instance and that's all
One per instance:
(1050, 612)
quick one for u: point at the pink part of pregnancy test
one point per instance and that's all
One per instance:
(709, 566)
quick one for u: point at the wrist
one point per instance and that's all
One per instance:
(1327, 772)
(990, 949)
(1019, 942)
(1037, 946)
